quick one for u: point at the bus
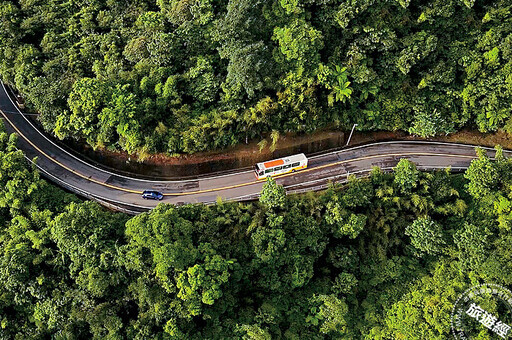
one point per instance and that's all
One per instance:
(280, 166)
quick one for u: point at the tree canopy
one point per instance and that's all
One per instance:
(182, 76)
(377, 258)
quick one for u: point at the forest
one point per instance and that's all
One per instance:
(182, 76)
(382, 257)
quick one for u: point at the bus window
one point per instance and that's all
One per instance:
(288, 166)
(261, 173)
(295, 164)
(277, 168)
(268, 171)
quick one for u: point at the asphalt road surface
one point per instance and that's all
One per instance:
(124, 193)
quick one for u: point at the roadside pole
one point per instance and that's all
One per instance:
(351, 132)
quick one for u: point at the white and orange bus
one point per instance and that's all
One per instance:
(280, 166)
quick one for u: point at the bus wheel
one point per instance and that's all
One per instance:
(293, 170)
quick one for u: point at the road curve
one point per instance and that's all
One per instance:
(123, 192)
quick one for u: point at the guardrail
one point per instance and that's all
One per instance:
(342, 179)
(324, 186)
(81, 192)
(330, 180)
(312, 185)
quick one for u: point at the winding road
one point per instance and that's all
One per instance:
(124, 193)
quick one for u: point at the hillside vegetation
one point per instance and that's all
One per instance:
(381, 258)
(190, 75)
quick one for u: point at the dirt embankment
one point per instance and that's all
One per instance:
(246, 155)
(477, 138)
(236, 157)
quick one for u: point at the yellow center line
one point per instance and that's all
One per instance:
(64, 166)
(230, 186)
(318, 168)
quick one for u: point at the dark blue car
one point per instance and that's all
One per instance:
(152, 194)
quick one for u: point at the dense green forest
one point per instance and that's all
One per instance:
(190, 75)
(383, 257)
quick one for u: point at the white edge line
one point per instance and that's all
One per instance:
(405, 142)
(237, 173)
(95, 167)
(106, 200)
(241, 172)
(82, 191)
(344, 180)
(368, 170)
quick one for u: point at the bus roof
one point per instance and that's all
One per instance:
(280, 161)
(274, 163)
